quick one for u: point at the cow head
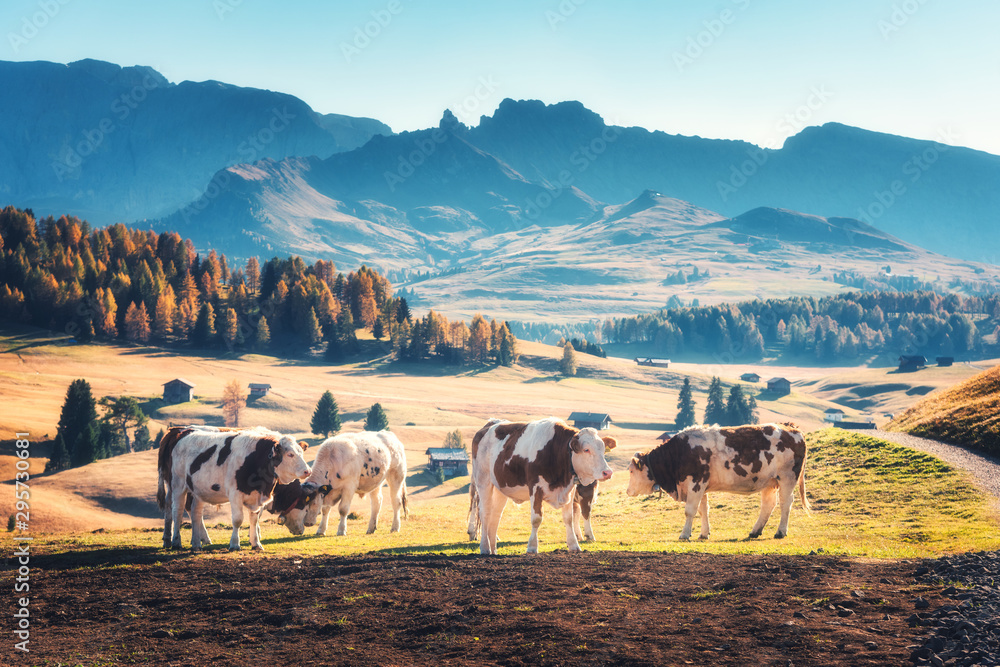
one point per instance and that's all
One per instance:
(291, 502)
(289, 465)
(640, 478)
(588, 448)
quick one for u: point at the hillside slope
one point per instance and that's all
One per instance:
(966, 414)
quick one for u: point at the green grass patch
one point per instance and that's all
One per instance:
(870, 498)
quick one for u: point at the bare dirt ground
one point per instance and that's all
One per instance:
(599, 608)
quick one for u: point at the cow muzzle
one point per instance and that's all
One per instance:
(606, 474)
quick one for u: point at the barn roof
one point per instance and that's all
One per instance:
(778, 380)
(447, 454)
(589, 417)
(259, 385)
(833, 411)
(182, 381)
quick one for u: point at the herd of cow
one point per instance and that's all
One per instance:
(538, 462)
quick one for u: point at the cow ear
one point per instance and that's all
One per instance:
(325, 489)
(304, 445)
(575, 444)
(609, 442)
(638, 462)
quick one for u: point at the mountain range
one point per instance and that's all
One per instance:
(534, 186)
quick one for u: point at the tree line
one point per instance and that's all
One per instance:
(118, 283)
(739, 408)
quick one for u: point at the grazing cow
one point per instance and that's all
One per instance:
(215, 467)
(346, 464)
(540, 461)
(743, 459)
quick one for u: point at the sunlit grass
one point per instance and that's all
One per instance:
(870, 498)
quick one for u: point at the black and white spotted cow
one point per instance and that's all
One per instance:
(345, 465)
(215, 467)
(768, 459)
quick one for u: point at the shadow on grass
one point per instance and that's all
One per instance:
(108, 557)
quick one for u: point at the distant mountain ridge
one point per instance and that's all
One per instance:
(115, 144)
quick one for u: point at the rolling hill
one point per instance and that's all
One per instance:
(966, 414)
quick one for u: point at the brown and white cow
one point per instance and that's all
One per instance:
(215, 467)
(769, 459)
(346, 464)
(540, 461)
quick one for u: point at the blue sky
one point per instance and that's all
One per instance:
(746, 69)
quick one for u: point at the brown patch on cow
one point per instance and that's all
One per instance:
(226, 450)
(748, 442)
(727, 465)
(257, 471)
(553, 461)
(199, 460)
(769, 457)
(164, 461)
(794, 441)
(537, 497)
(190, 484)
(584, 497)
(676, 460)
(768, 430)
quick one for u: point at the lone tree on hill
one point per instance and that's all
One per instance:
(567, 365)
(233, 402)
(326, 417)
(77, 426)
(123, 413)
(715, 408)
(685, 407)
(376, 420)
(738, 408)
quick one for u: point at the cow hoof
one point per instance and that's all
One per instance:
(257, 548)
(753, 535)
(779, 535)
(703, 537)
(684, 539)
(234, 548)
(176, 545)
(369, 531)
(576, 550)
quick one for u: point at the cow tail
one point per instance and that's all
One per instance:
(406, 509)
(802, 491)
(161, 493)
(474, 526)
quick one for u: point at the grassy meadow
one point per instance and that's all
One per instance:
(870, 498)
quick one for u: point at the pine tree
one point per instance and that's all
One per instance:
(567, 365)
(335, 345)
(402, 311)
(376, 419)
(204, 326)
(262, 337)
(508, 347)
(453, 440)
(59, 458)
(479, 340)
(137, 323)
(378, 329)
(313, 332)
(253, 274)
(229, 327)
(164, 314)
(123, 413)
(685, 407)
(715, 407)
(141, 441)
(86, 447)
(326, 417)
(79, 411)
(752, 409)
(737, 407)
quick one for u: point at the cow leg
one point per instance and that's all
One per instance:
(234, 541)
(585, 510)
(786, 491)
(345, 509)
(205, 539)
(177, 507)
(168, 518)
(198, 532)
(536, 520)
(577, 519)
(376, 500)
(703, 510)
(491, 506)
(255, 531)
(396, 482)
(768, 498)
(325, 520)
(572, 545)
(690, 511)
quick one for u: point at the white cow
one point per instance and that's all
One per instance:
(347, 464)
(769, 459)
(540, 461)
(215, 467)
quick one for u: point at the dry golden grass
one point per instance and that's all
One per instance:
(423, 404)
(966, 414)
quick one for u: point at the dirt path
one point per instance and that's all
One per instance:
(985, 469)
(600, 608)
